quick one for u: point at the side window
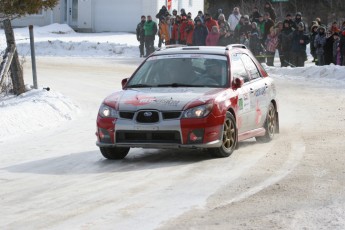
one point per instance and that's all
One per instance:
(251, 67)
(237, 67)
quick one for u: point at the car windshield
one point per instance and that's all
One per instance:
(183, 70)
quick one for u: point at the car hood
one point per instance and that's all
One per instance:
(168, 99)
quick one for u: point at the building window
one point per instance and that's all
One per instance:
(190, 3)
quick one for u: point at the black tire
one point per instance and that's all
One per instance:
(114, 153)
(270, 125)
(229, 140)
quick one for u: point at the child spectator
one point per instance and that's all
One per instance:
(213, 37)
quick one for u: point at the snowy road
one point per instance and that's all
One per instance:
(56, 178)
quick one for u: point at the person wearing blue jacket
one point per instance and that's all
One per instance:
(299, 43)
(319, 44)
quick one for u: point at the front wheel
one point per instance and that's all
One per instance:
(229, 139)
(270, 125)
(115, 153)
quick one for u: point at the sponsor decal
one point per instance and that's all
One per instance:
(261, 91)
(244, 102)
(140, 100)
(145, 100)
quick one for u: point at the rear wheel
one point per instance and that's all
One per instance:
(270, 125)
(229, 140)
(115, 153)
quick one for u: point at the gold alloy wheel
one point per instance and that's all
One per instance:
(229, 134)
(271, 121)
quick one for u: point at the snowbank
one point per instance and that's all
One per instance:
(332, 75)
(34, 110)
(61, 40)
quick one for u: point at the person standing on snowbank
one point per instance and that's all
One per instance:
(150, 28)
(299, 45)
(141, 35)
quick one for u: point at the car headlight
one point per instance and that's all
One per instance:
(107, 111)
(198, 111)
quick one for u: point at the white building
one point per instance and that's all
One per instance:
(105, 15)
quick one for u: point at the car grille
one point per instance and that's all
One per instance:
(148, 137)
(166, 115)
(147, 117)
(127, 115)
(171, 115)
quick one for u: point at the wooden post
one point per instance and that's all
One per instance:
(16, 68)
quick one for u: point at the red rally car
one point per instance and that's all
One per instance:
(190, 97)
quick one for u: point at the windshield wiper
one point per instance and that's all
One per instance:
(178, 85)
(138, 86)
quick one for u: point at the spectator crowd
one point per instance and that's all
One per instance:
(260, 32)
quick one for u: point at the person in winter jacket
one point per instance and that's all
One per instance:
(288, 18)
(182, 31)
(210, 22)
(199, 34)
(213, 37)
(183, 12)
(234, 18)
(175, 34)
(319, 43)
(141, 35)
(269, 9)
(271, 46)
(254, 42)
(254, 17)
(269, 23)
(246, 27)
(342, 47)
(328, 48)
(164, 31)
(237, 30)
(224, 31)
(261, 27)
(336, 50)
(285, 39)
(200, 16)
(150, 28)
(298, 19)
(162, 12)
(334, 28)
(299, 43)
(189, 29)
(313, 34)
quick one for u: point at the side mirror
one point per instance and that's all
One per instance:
(124, 82)
(238, 82)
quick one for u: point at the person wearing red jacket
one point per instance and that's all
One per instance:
(189, 31)
(210, 22)
(183, 30)
(175, 34)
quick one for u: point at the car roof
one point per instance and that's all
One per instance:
(180, 49)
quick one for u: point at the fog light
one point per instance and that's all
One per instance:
(104, 136)
(196, 136)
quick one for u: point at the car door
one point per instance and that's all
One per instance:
(238, 70)
(258, 94)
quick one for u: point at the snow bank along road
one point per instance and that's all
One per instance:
(56, 178)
